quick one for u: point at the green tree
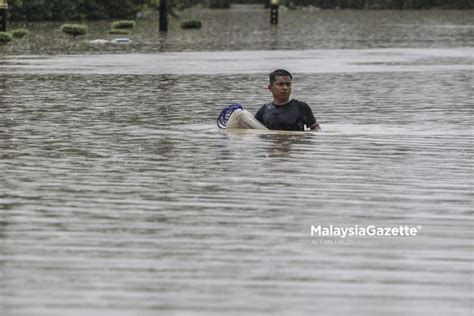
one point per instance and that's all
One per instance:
(34, 10)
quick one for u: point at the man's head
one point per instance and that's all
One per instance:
(279, 72)
(280, 86)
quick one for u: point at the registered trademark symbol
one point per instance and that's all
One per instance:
(419, 227)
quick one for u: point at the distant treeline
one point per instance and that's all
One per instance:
(36, 10)
(386, 4)
(342, 4)
(361, 4)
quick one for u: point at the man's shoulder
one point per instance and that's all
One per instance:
(266, 106)
(262, 109)
(302, 106)
(299, 103)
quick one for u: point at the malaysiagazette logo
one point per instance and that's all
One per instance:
(369, 230)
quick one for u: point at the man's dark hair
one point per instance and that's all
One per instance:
(279, 72)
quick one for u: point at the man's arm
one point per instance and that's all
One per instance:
(309, 117)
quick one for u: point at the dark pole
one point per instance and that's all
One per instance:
(3, 15)
(274, 12)
(163, 15)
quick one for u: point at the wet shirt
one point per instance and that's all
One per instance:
(289, 117)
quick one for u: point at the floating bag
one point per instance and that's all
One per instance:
(234, 116)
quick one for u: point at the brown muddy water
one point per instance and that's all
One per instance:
(120, 196)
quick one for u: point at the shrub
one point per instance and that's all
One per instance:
(5, 37)
(125, 24)
(191, 24)
(119, 32)
(74, 29)
(19, 33)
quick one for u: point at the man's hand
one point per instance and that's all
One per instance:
(315, 127)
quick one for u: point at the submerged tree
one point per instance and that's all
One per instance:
(74, 29)
(5, 37)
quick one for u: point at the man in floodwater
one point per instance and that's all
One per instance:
(283, 113)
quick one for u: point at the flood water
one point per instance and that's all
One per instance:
(119, 195)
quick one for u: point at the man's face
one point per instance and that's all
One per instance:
(281, 88)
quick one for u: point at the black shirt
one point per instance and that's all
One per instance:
(289, 117)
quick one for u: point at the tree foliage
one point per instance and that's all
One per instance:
(381, 4)
(34, 10)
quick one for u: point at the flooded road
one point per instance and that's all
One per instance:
(249, 29)
(119, 195)
(249, 62)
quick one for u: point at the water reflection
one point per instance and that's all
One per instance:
(163, 41)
